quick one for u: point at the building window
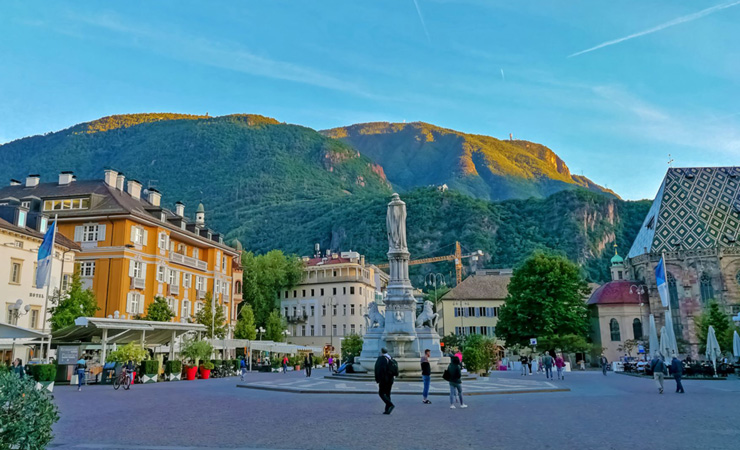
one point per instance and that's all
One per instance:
(196, 253)
(344, 310)
(87, 269)
(620, 275)
(334, 291)
(75, 203)
(637, 329)
(334, 329)
(44, 224)
(344, 290)
(135, 303)
(614, 329)
(66, 278)
(198, 307)
(323, 310)
(333, 310)
(352, 329)
(312, 293)
(15, 271)
(707, 290)
(360, 290)
(312, 330)
(675, 306)
(161, 273)
(90, 233)
(187, 280)
(304, 293)
(174, 277)
(138, 235)
(323, 330)
(185, 309)
(344, 329)
(172, 304)
(34, 319)
(162, 242)
(351, 310)
(351, 290)
(137, 269)
(313, 312)
(198, 283)
(295, 294)
(322, 289)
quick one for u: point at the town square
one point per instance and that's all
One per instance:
(319, 272)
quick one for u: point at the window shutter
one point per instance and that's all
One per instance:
(146, 237)
(141, 304)
(78, 234)
(128, 302)
(101, 232)
(143, 271)
(133, 234)
(131, 268)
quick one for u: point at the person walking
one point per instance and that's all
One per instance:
(453, 375)
(604, 363)
(308, 364)
(525, 363)
(385, 370)
(243, 366)
(330, 361)
(560, 364)
(548, 361)
(285, 363)
(80, 371)
(659, 370)
(130, 371)
(426, 376)
(677, 371)
(17, 368)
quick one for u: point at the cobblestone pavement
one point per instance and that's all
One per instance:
(613, 412)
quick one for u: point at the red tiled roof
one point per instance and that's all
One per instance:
(617, 293)
(327, 261)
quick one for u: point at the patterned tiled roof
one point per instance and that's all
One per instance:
(695, 208)
(481, 287)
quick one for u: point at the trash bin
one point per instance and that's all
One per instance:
(109, 373)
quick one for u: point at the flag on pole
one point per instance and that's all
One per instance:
(45, 256)
(661, 280)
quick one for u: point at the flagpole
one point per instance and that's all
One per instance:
(665, 277)
(48, 286)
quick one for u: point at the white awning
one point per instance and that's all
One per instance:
(123, 331)
(15, 332)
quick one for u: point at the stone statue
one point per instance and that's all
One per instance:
(395, 222)
(427, 317)
(374, 318)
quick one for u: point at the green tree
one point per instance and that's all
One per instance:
(265, 276)
(26, 415)
(194, 350)
(129, 352)
(245, 328)
(206, 317)
(452, 342)
(351, 346)
(723, 326)
(566, 343)
(545, 299)
(274, 327)
(159, 310)
(77, 302)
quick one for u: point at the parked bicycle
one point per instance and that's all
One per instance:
(122, 380)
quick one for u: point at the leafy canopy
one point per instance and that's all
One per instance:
(245, 328)
(274, 327)
(159, 310)
(206, 317)
(723, 327)
(265, 276)
(545, 299)
(194, 350)
(77, 302)
(129, 352)
(351, 346)
(26, 413)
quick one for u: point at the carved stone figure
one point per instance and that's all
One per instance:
(395, 221)
(427, 317)
(374, 318)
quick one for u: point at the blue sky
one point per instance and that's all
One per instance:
(665, 82)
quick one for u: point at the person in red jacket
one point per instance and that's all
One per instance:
(560, 364)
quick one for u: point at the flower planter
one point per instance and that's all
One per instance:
(149, 378)
(45, 385)
(174, 377)
(297, 368)
(190, 372)
(205, 374)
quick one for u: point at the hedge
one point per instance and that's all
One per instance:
(173, 366)
(236, 364)
(150, 366)
(43, 372)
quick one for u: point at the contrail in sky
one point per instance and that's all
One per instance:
(502, 75)
(421, 18)
(663, 26)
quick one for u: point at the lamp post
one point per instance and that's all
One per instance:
(434, 279)
(14, 311)
(332, 304)
(261, 330)
(286, 333)
(640, 291)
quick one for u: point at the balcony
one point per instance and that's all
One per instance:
(297, 318)
(195, 263)
(138, 283)
(174, 289)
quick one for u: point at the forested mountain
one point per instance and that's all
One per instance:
(419, 154)
(274, 185)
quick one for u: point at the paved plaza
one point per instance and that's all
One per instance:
(612, 412)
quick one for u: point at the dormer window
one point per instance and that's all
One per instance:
(26, 204)
(163, 217)
(21, 219)
(72, 203)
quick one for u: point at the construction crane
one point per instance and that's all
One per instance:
(457, 257)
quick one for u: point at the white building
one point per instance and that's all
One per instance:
(21, 234)
(332, 299)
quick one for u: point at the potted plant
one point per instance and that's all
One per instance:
(173, 370)
(194, 351)
(205, 370)
(150, 368)
(44, 375)
(129, 352)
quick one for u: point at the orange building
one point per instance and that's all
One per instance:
(133, 249)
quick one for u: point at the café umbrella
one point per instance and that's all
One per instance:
(653, 337)
(672, 344)
(713, 351)
(665, 346)
(736, 345)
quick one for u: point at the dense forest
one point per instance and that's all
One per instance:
(279, 186)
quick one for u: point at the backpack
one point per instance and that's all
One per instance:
(393, 367)
(446, 375)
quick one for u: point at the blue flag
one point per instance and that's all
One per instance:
(660, 279)
(46, 255)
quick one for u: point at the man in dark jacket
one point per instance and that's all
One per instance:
(677, 371)
(385, 370)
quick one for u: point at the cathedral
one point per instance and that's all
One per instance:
(693, 223)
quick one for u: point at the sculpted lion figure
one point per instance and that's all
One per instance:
(374, 318)
(427, 317)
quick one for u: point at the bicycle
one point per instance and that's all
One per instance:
(122, 380)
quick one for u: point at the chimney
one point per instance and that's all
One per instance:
(154, 197)
(362, 260)
(119, 181)
(110, 177)
(14, 182)
(134, 189)
(180, 209)
(32, 180)
(66, 178)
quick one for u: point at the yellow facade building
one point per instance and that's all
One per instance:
(133, 249)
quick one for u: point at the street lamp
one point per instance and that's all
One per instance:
(640, 291)
(434, 279)
(261, 330)
(332, 304)
(286, 333)
(14, 311)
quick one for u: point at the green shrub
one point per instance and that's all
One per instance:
(319, 360)
(173, 366)
(295, 360)
(235, 364)
(129, 352)
(43, 372)
(26, 414)
(208, 365)
(217, 362)
(194, 350)
(150, 366)
(351, 346)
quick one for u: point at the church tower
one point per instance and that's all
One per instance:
(617, 267)
(200, 215)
